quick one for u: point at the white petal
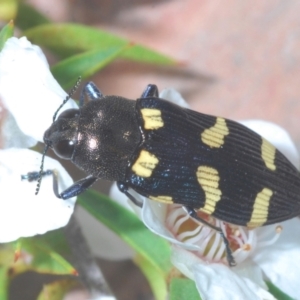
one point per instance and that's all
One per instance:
(22, 213)
(184, 261)
(12, 135)
(217, 281)
(173, 96)
(27, 88)
(277, 136)
(249, 269)
(153, 216)
(280, 261)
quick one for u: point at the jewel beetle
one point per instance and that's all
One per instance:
(176, 155)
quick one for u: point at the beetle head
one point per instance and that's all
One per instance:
(62, 134)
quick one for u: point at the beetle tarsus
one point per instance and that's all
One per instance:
(75, 189)
(34, 176)
(229, 255)
(193, 214)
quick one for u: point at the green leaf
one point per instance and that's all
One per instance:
(45, 257)
(6, 33)
(7, 253)
(57, 290)
(183, 289)
(4, 282)
(56, 240)
(156, 279)
(143, 54)
(127, 225)
(69, 39)
(277, 293)
(8, 9)
(67, 71)
(10, 260)
(28, 17)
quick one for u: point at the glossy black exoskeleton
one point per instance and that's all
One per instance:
(175, 155)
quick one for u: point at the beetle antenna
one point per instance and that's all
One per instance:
(71, 93)
(73, 90)
(39, 181)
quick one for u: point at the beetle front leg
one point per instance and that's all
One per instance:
(195, 216)
(90, 93)
(74, 190)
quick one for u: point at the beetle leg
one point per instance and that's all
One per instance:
(150, 91)
(90, 92)
(34, 176)
(124, 189)
(75, 189)
(192, 213)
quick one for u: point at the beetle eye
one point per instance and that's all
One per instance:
(64, 149)
(69, 113)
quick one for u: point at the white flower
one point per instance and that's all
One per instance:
(22, 213)
(267, 253)
(28, 89)
(29, 96)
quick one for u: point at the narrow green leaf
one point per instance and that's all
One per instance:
(6, 33)
(13, 263)
(69, 39)
(86, 64)
(183, 289)
(28, 17)
(15, 256)
(7, 254)
(277, 293)
(127, 225)
(156, 279)
(4, 282)
(143, 54)
(56, 240)
(45, 259)
(57, 290)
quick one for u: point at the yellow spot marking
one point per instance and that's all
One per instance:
(214, 136)
(268, 152)
(209, 179)
(145, 164)
(165, 199)
(260, 209)
(152, 118)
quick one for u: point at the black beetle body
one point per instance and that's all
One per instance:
(175, 155)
